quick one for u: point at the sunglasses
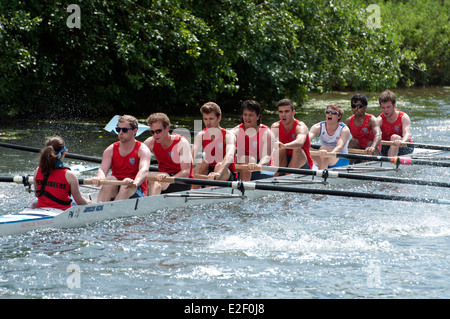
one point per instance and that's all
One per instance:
(359, 106)
(123, 129)
(156, 131)
(331, 112)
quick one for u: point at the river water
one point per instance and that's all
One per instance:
(280, 246)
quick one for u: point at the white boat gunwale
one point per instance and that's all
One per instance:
(78, 216)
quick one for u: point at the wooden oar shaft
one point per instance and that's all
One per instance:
(419, 145)
(350, 150)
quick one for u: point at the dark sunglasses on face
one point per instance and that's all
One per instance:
(156, 131)
(123, 129)
(331, 112)
(359, 106)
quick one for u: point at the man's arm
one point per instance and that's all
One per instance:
(184, 151)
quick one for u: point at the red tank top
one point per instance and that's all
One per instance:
(286, 137)
(363, 133)
(388, 129)
(210, 146)
(57, 185)
(250, 146)
(128, 165)
(168, 158)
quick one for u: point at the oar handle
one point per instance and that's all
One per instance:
(245, 166)
(102, 182)
(328, 154)
(402, 144)
(170, 180)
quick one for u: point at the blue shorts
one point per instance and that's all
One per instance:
(139, 193)
(341, 162)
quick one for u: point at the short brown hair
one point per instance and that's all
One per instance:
(336, 107)
(211, 107)
(387, 96)
(159, 117)
(130, 119)
(286, 102)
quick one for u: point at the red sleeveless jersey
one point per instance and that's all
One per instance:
(128, 165)
(250, 146)
(286, 137)
(57, 185)
(168, 158)
(363, 133)
(210, 146)
(388, 129)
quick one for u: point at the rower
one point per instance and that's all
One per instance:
(218, 145)
(173, 154)
(364, 128)
(128, 160)
(53, 181)
(292, 146)
(334, 136)
(254, 141)
(395, 126)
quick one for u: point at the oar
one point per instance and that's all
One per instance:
(29, 179)
(68, 155)
(333, 174)
(392, 160)
(419, 145)
(242, 186)
(350, 150)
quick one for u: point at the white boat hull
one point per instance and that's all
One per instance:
(78, 216)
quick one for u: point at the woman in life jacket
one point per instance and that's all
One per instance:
(53, 181)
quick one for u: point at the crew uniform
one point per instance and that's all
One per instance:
(286, 137)
(210, 146)
(389, 129)
(331, 141)
(169, 162)
(364, 133)
(128, 166)
(251, 146)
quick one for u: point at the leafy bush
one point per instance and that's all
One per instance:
(143, 56)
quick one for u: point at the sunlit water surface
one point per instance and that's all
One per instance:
(278, 246)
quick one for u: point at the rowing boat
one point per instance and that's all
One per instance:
(77, 216)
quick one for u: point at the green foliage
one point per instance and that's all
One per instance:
(423, 28)
(137, 57)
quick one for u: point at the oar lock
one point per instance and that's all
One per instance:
(26, 180)
(325, 173)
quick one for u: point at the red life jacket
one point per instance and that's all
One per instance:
(53, 190)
